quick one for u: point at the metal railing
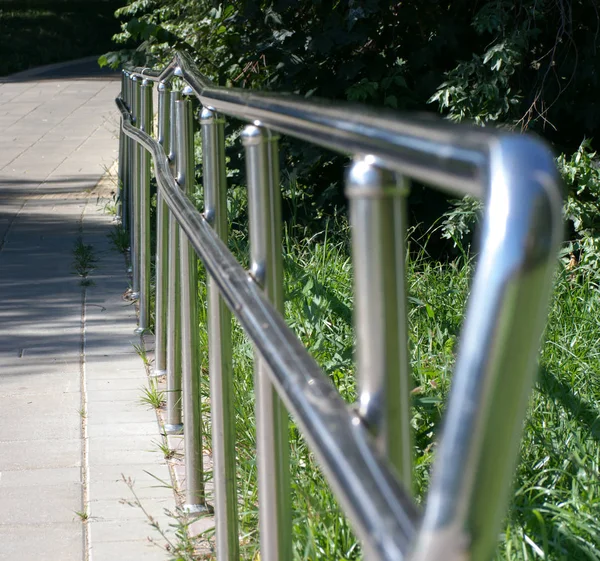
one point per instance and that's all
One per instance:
(364, 450)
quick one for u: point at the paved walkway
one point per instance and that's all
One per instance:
(70, 381)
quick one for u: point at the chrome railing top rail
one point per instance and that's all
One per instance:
(498, 348)
(424, 148)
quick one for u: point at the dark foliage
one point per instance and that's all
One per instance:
(530, 65)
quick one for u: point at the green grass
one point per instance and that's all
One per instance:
(82, 515)
(119, 239)
(151, 395)
(555, 512)
(34, 33)
(84, 261)
(557, 503)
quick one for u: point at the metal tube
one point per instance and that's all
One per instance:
(433, 152)
(125, 183)
(145, 125)
(363, 483)
(135, 229)
(377, 218)
(174, 423)
(172, 153)
(122, 163)
(219, 344)
(129, 146)
(127, 91)
(272, 431)
(495, 366)
(497, 354)
(195, 500)
(162, 236)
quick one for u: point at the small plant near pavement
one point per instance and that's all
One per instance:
(179, 545)
(119, 239)
(152, 395)
(84, 261)
(83, 515)
(141, 351)
(167, 452)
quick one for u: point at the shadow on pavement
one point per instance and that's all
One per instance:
(41, 289)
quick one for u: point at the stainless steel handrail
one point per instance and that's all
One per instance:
(520, 235)
(435, 152)
(366, 486)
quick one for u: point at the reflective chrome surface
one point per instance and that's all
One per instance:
(366, 455)
(382, 513)
(143, 252)
(162, 240)
(220, 363)
(190, 343)
(378, 222)
(498, 351)
(136, 102)
(174, 423)
(272, 426)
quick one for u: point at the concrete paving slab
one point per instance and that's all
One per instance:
(129, 442)
(128, 382)
(114, 395)
(107, 490)
(36, 382)
(103, 411)
(28, 428)
(139, 473)
(105, 455)
(33, 454)
(101, 366)
(44, 405)
(111, 509)
(49, 542)
(40, 476)
(123, 428)
(23, 367)
(128, 529)
(128, 551)
(116, 416)
(41, 504)
(57, 348)
(38, 417)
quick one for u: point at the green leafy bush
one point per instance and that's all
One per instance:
(581, 173)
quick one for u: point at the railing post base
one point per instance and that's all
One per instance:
(173, 429)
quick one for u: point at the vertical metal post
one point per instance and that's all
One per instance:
(174, 423)
(136, 102)
(272, 431)
(127, 198)
(121, 207)
(378, 221)
(194, 469)
(219, 344)
(162, 236)
(145, 124)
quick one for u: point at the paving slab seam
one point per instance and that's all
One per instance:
(114, 527)
(85, 466)
(10, 225)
